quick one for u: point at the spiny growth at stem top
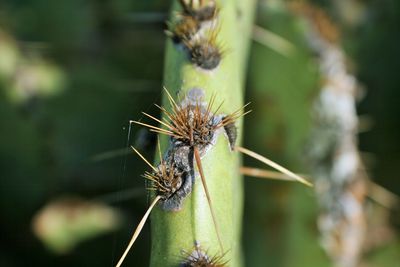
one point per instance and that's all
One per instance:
(196, 28)
(201, 10)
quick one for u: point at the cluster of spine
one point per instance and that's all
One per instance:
(341, 182)
(195, 28)
(191, 125)
(200, 258)
(165, 179)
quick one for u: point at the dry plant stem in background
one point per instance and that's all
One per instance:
(341, 183)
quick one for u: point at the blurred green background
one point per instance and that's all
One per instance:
(72, 75)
